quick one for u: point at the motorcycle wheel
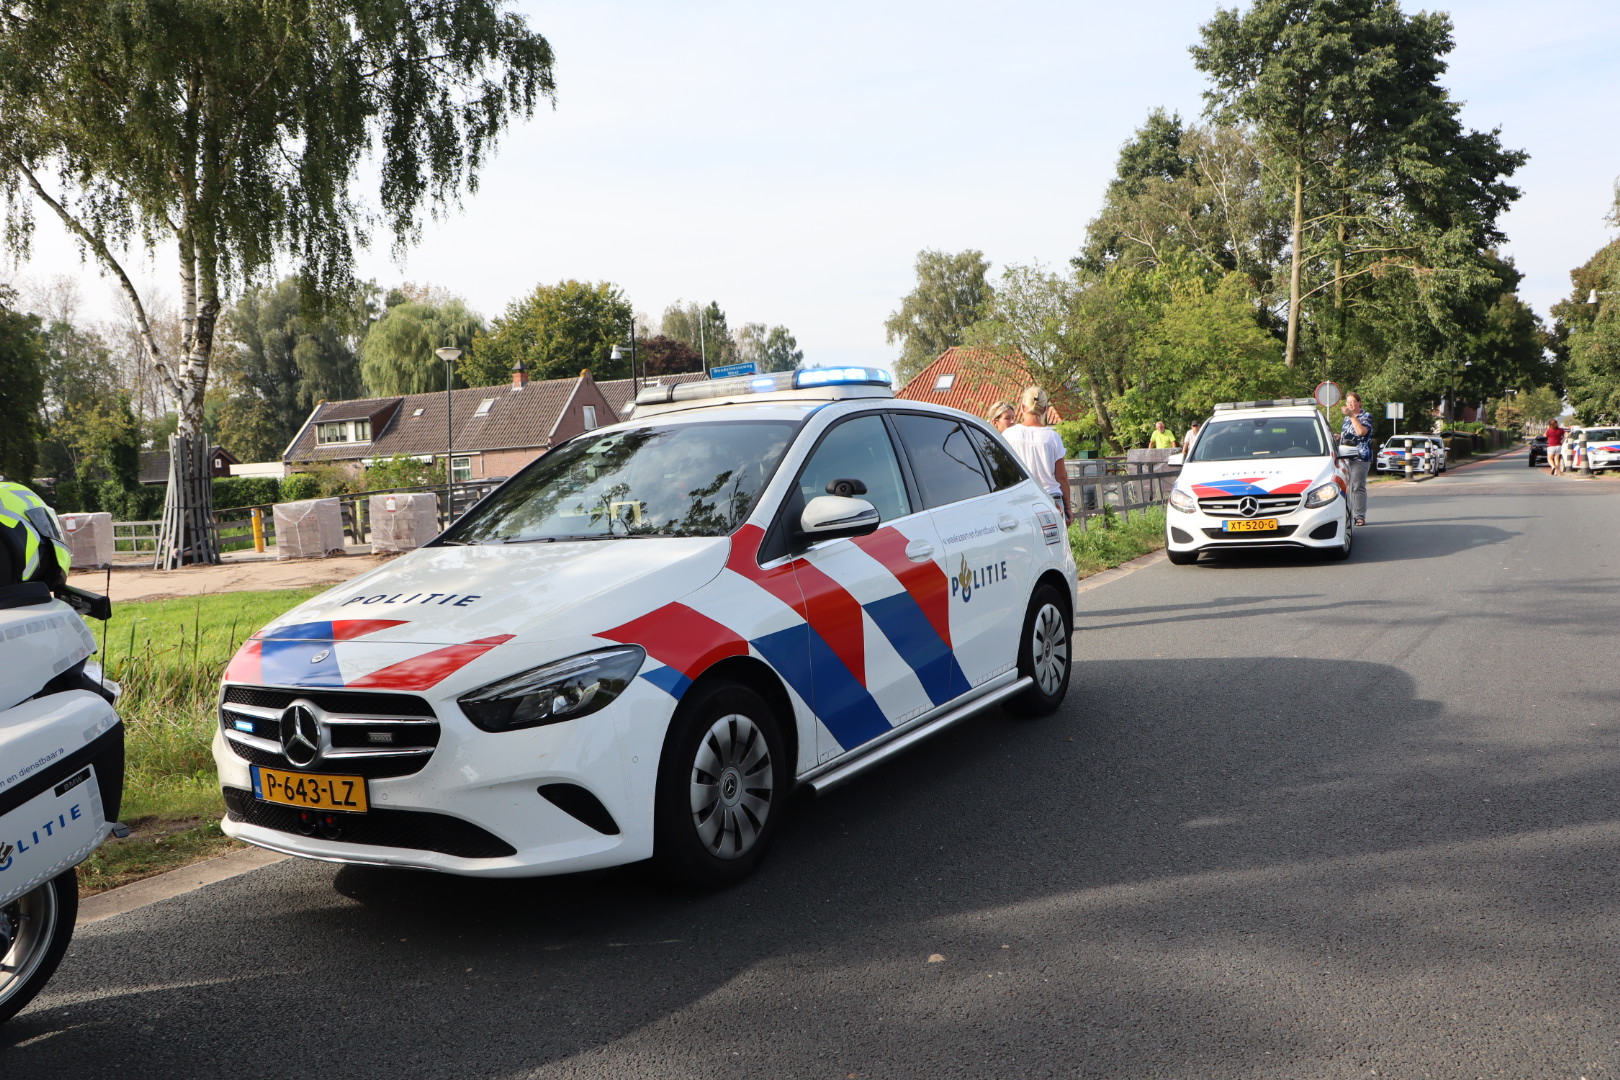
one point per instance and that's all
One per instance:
(38, 925)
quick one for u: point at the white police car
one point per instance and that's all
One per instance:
(1261, 474)
(640, 643)
(1428, 455)
(1602, 448)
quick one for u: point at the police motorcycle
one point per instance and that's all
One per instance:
(61, 747)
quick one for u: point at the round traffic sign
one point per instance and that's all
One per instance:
(1328, 394)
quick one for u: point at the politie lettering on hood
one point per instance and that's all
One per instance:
(436, 598)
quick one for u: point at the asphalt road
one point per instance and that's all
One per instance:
(1298, 819)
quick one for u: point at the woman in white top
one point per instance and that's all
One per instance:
(1040, 448)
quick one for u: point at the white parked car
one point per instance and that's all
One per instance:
(1602, 448)
(1262, 474)
(640, 643)
(1428, 454)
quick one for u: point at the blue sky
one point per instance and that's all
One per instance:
(789, 161)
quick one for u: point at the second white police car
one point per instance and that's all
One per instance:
(640, 643)
(1261, 474)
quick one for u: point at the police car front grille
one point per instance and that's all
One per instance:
(372, 735)
(416, 830)
(1228, 505)
(366, 702)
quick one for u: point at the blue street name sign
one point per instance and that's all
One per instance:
(733, 370)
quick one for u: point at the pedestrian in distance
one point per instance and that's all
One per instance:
(1161, 439)
(1187, 440)
(1040, 448)
(1555, 448)
(1002, 415)
(1357, 430)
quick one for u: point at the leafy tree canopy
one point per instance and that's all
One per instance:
(283, 362)
(1351, 121)
(773, 349)
(702, 328)
(398, 355)
(951, 295)
(556, 332)
(660, 355)
(22, 389)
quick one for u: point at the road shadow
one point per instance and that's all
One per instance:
(1153, 874)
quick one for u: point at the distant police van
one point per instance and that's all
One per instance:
(1261, 474)
(639, 644)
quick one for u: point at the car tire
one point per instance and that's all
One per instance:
(40, 923)
(1342, 552)
(1044, 654)
(1181, 558)
(722, 783)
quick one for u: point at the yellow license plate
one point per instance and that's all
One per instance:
(1252, 525)
(311, 791)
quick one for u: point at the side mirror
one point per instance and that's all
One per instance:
(1177, 458)
(828, 517)
(1348, 452)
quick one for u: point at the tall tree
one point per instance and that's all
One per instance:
(1352, 122)
(22, 389)
(556, 331)
(1587, 335)
(398, 355)
(283, 361)
(951, 295)
(703, 328)
(234, 130)
(771, 349)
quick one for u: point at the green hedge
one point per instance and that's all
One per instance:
(299, 486)
(231, 492)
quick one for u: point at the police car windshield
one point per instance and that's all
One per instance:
(695, 479)
(1259, 437)
(1603, 434)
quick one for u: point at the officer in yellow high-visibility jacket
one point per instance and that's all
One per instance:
(31, 548)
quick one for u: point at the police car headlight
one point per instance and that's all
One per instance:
(562, 690)
(1182, 500)
(1323, 495)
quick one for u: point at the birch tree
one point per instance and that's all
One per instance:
(230, 132)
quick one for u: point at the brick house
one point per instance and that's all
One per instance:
(497, 429)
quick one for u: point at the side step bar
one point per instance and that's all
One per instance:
(825, 781)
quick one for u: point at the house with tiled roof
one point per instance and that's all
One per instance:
(971, 380)
(493, 430)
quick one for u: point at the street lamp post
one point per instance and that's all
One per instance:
(449, 354)
(1451, 390)
(618, 354)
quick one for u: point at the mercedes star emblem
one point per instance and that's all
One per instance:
(300, 733)
(1248, 506)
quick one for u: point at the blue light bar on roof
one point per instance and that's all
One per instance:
(803, 379)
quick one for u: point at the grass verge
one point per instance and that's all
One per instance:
(169, 655)
(1108, 540)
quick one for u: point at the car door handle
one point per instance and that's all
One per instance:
(919, 551)
(1006, 523)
